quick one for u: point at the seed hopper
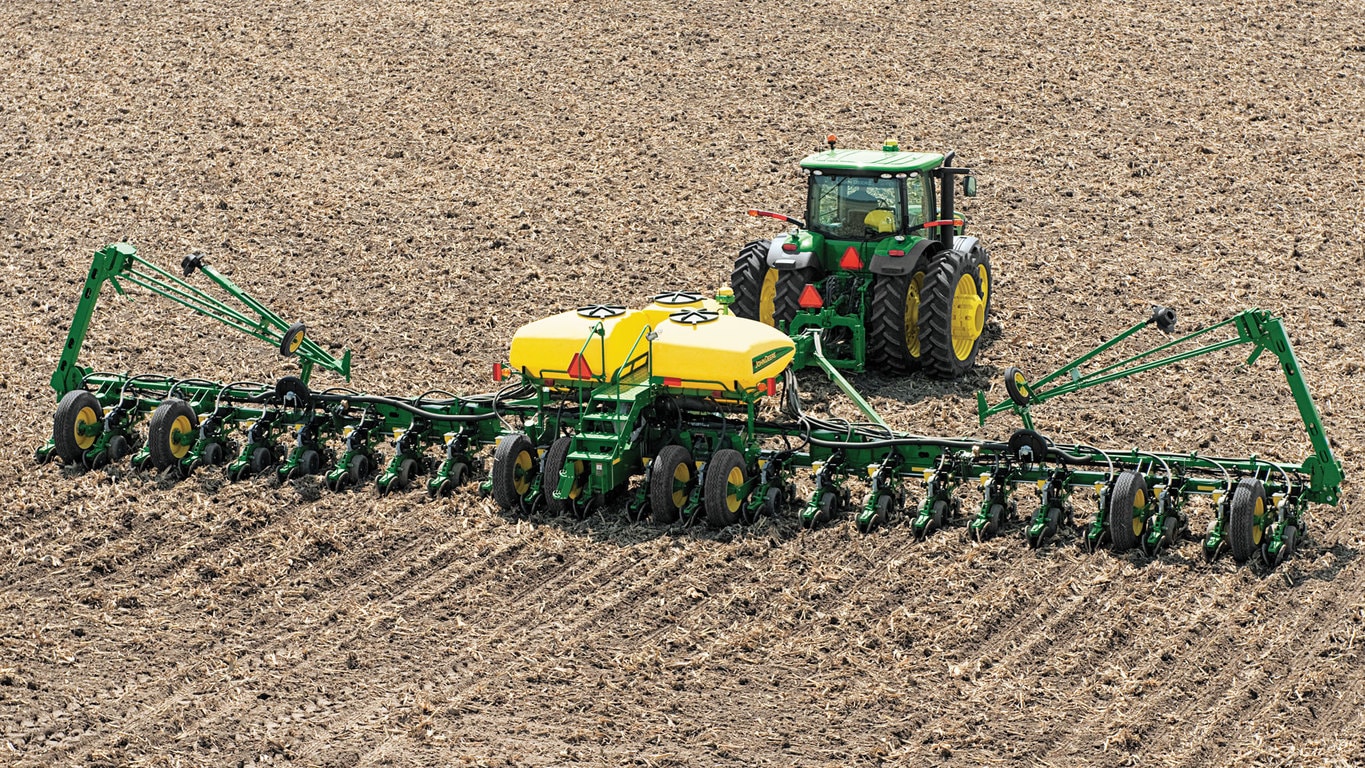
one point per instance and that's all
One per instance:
(684, 411)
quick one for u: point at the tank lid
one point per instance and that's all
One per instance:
(678, 297)
(601, 311)
(694, 316)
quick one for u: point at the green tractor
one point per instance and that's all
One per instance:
(881, 265)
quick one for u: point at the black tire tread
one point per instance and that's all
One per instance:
(1242, 518)
(504, 469)
(1121, 499)
(716, 488)
(936, 316)
(159, 431)
(661, 507)
(64, 423)
(746, 279)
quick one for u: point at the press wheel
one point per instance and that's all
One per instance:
(514, 469)
(555, 460)
(723, 488)
(671, 480)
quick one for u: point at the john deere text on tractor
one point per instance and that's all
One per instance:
(881, 265)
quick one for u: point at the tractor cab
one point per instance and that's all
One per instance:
(864, 207)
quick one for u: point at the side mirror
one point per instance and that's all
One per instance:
(969, 186)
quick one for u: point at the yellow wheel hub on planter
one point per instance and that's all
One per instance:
(84, 419)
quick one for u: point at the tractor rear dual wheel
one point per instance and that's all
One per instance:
(893, 318)
(952, 312)
(757, 286)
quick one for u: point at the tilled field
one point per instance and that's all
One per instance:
(418, 181)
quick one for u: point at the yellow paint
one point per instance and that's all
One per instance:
(968, 317)
(84, 419)
(180, 427)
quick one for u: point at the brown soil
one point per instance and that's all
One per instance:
(419, 181)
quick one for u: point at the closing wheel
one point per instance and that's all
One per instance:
(754, 284)
(454, 478)
(671, 481)
(1127, 510)
(76, 425)
(555, 460)
(170, 432)
(1247, 520)
(995, 520)
(881, 514)
(893, 340)
(723, 489)
(1288, 543)
(514, 467)
(952, 315)
(310, 462)
(261, 459)
(359, 469)
(938, 515)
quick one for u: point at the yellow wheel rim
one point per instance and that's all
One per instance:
(912, 314)
(296, 342)
(682, 477)
(735, 481)
(1021, 384)
(968, 317)
(577, 489)
(84, 419)
(983, 283)
(767, 297)
(521, 473)
(1258, 521)
(1139, 501)
(179, 428)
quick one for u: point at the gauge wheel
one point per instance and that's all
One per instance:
(952, 315)
(671, 481)
(170, 432)
(514, 469)
(76, 425)
(555, 461)
(723, 488)
(1247, 520)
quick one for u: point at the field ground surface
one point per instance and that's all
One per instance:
(416, 180)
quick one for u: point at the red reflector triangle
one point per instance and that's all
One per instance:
(810, 298)
(851, 259)
(579, 368)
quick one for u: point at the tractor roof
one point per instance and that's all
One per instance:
(872, 161)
